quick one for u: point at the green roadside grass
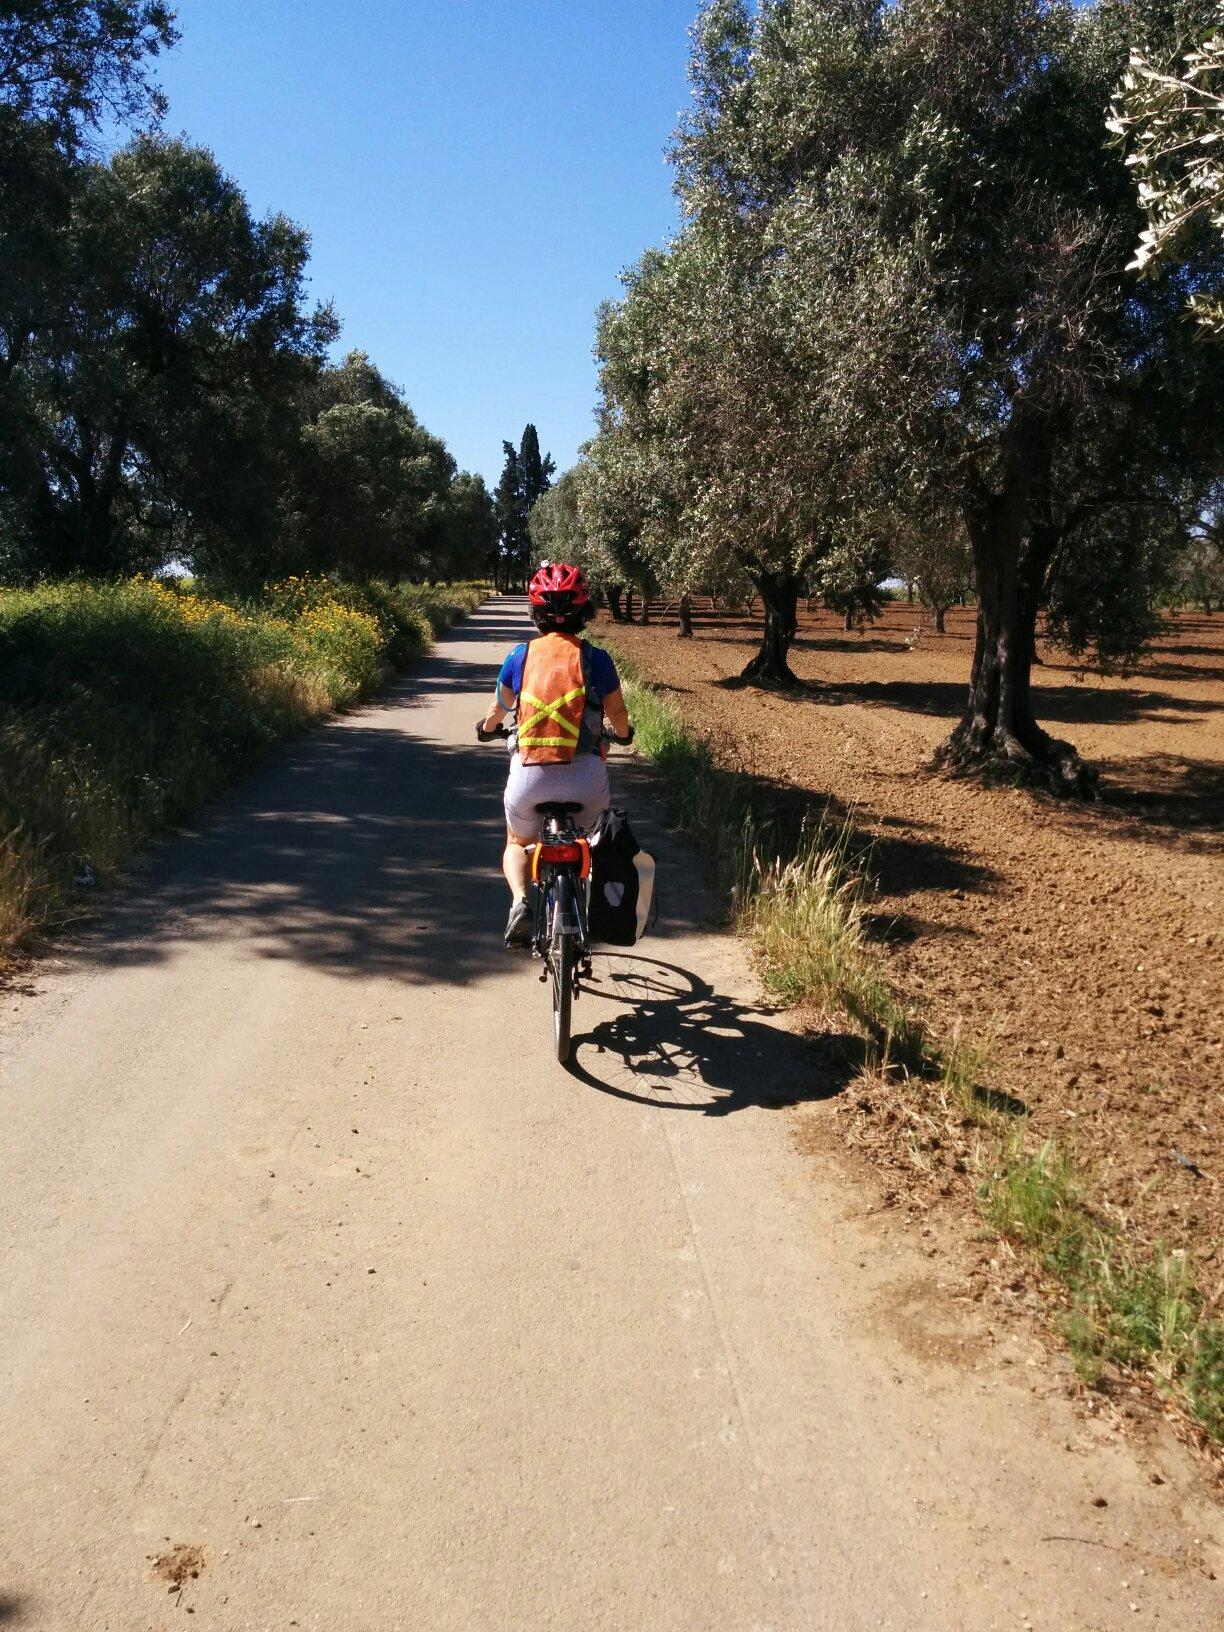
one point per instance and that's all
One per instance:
(1129, 1306)
(792, 885)
(123, 706)
(797, 891)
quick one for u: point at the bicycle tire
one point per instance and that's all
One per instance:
(561, 964)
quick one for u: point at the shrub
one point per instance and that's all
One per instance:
(125, 705)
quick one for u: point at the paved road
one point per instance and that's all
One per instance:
(315, 1265)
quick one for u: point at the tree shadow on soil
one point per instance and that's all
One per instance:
(680, 1045)
(902, 929)
(796, 688)
(1165, 795)
(847, 643)
(902, 858)
(1067, 705)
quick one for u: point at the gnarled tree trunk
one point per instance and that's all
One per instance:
(616, 597)
(779, 592)
(686, 616)
(998, 733)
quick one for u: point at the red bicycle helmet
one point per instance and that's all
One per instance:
(556, 583)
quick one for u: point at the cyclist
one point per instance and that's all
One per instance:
(562, 688)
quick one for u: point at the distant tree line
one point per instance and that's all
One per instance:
(165, 388)
(900, 329)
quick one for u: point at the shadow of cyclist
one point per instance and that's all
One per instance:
(680, 1045)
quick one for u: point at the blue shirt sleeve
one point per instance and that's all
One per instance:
(604, 678)
(511, 674)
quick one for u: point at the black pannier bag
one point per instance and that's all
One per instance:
(622, 882)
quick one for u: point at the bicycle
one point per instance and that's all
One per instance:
(560, 871)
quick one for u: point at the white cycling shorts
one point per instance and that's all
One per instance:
(583, 781)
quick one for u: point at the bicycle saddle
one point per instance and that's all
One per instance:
(565, 807)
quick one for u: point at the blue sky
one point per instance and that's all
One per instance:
(474, 174)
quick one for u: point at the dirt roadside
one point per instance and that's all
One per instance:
(1079, 946)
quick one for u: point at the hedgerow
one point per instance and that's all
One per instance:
(124, 705)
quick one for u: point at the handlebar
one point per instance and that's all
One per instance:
(500, 731)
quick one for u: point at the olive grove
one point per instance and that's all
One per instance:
(902, 289)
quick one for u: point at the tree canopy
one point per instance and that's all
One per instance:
(165, 385)
(69, 64)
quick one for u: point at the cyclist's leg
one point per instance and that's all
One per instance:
(522, 829)
(523, 824)
(516, 864)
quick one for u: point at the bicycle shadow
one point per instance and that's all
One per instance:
(681, 1045)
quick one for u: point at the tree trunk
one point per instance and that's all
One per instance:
(616, 598)
(998, 734)
(848, 621)
(941, 613)
(629, 606)
(686, 616)
(645, 609)
(779, 592)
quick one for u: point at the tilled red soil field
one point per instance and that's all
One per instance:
(1081, 946)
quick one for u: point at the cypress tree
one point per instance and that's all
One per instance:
(511, 525)
(535, 473)
(525, 477)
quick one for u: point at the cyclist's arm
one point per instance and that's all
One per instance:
(615, 712)
(502, 705)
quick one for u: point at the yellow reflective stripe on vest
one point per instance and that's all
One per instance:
(549, 711)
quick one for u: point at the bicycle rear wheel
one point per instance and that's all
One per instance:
(562, 994)
(561, 961)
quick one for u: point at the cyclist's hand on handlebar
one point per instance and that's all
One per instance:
(626, 739)
(489, 736)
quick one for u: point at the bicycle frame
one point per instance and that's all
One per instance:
(560, 887)
(560, 866)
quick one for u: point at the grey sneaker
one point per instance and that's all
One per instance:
(519, 925)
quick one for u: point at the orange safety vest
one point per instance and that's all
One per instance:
(552, 700)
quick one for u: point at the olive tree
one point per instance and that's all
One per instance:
(850, 579)
(931, 551)
(742, 413)
(1169, 116)
(1057, 402)
(554, 522)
